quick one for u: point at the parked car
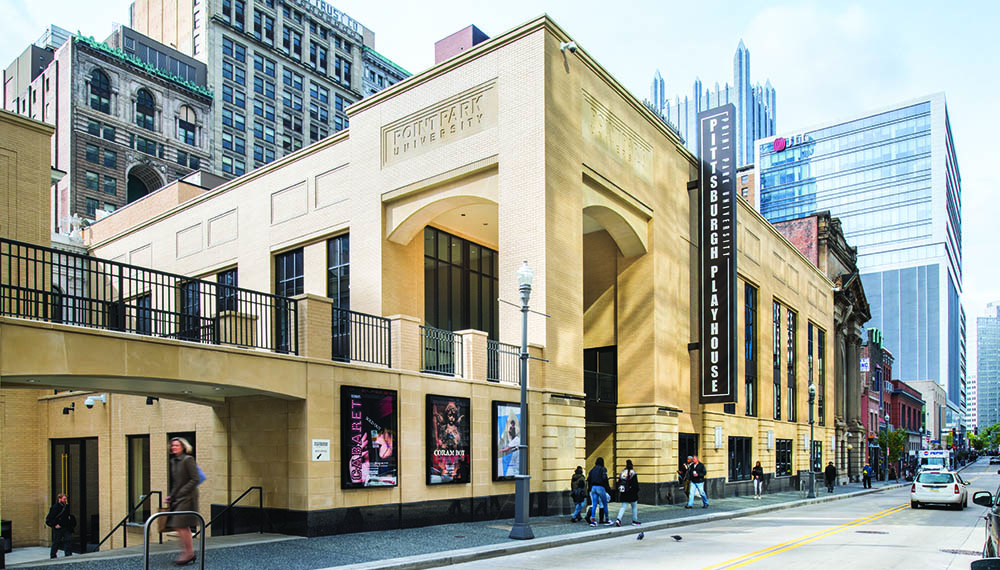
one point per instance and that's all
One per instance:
(992, 502)
(995, 460)
(939, 487)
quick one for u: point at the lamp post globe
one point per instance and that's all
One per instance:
(812, 467)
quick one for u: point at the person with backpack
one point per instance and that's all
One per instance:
(599, 485)
(628, 493)
(62, 522)
(185, 478)
(578, 490)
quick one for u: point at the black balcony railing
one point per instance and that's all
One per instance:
(600, 387)
(358, 337)
(440, 351)
(57, 286)
(503, 362)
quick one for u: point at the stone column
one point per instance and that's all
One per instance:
(474, 354)
(405, 342)
(315, 326)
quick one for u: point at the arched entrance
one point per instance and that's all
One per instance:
(142, 179)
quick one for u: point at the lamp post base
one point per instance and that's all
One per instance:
(812, 485)
(521, 529)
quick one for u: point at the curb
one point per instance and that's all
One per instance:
(450, 557)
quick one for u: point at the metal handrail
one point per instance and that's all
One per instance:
(145, 533)
(260, 507)
(360, 337)
(502, 362)
(126, 519)
(440, 351)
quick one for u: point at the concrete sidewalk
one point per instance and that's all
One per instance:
(436, 545)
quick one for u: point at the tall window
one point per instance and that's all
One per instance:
(783, 457)
(144, 314)
(186, 128)
(460, 284)
(338, 288)
(740, 456)
(288, 281)
(138, 476)
(100, 91)
(821, 375)
(227, 294)
(776, 357)
(750, 349)
(190, 307)
(145, 108)
(792, 416)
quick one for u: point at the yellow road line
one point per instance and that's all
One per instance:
(795, 543)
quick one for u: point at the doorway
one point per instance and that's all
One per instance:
(75, 473)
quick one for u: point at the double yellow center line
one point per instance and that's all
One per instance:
(801, 541)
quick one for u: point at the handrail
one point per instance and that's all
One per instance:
(145, 533)
(260, 507)
(126, 519)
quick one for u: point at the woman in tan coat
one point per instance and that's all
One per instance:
(183, 496)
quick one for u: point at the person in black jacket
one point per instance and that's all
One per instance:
(62, 523)
(628, 493)
(757, 473)
(599, 485)
(578, 490)
(696, 473)
(830, 473)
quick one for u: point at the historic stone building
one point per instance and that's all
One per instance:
(320, 312)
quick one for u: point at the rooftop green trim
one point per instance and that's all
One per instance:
(388, 61)
(115, 52)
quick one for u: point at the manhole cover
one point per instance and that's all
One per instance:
(459, 536)
(975, 553)
(871, 532)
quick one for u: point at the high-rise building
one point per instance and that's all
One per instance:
(657, 94)
(988, 366)
(283, 71)
(755, 106)
(971, 401)
(130, 116)
(892, 178)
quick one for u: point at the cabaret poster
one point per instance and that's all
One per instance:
(369, 456)
(448, 440)
(506, 440)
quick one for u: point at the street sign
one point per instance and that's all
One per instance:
(321, 450)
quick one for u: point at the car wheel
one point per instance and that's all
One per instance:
(914, 505)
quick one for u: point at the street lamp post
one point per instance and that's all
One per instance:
(886, 469)
(812, 468)
(522, 485)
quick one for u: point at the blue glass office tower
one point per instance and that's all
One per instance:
(754, 107)
(893, 180)
(988, 366)
(657, 94)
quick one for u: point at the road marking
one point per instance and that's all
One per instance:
(803, 540)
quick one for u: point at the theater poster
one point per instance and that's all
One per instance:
(506, 440)
(368, 453)
(448, 440)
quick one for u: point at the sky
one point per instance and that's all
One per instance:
(826, 60)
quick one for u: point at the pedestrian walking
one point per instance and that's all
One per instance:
(683, 478)
(892, 475)
(628, 493)
(696, 473)
(63, 523)
(757, 473)
(599, 485)
(578, 490)
(830, 473)
(866, 476)
(183, 497)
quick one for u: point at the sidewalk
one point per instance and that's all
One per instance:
(432, 546)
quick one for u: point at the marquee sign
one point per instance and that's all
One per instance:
(717, 237)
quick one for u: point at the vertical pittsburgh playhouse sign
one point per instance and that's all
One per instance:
(717, 238)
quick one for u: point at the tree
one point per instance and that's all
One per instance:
(897, 442)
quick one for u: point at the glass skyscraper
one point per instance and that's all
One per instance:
(754, 107)
(988, 366)
(893, 180)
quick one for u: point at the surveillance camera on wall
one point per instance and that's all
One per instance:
(571, 46)
(91, 400)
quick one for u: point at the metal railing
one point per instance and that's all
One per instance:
(260, 509)
(145, 534)
(503, 362)
(600, 387)
(359, 337)
(440, 351)
(58, 286)
(128, 517)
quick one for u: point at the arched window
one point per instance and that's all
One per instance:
(186, 121)
(144, 109)
(100, 92)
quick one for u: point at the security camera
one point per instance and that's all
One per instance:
(91, 400)
(571, 46)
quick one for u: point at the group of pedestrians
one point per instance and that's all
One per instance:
(599, 486)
